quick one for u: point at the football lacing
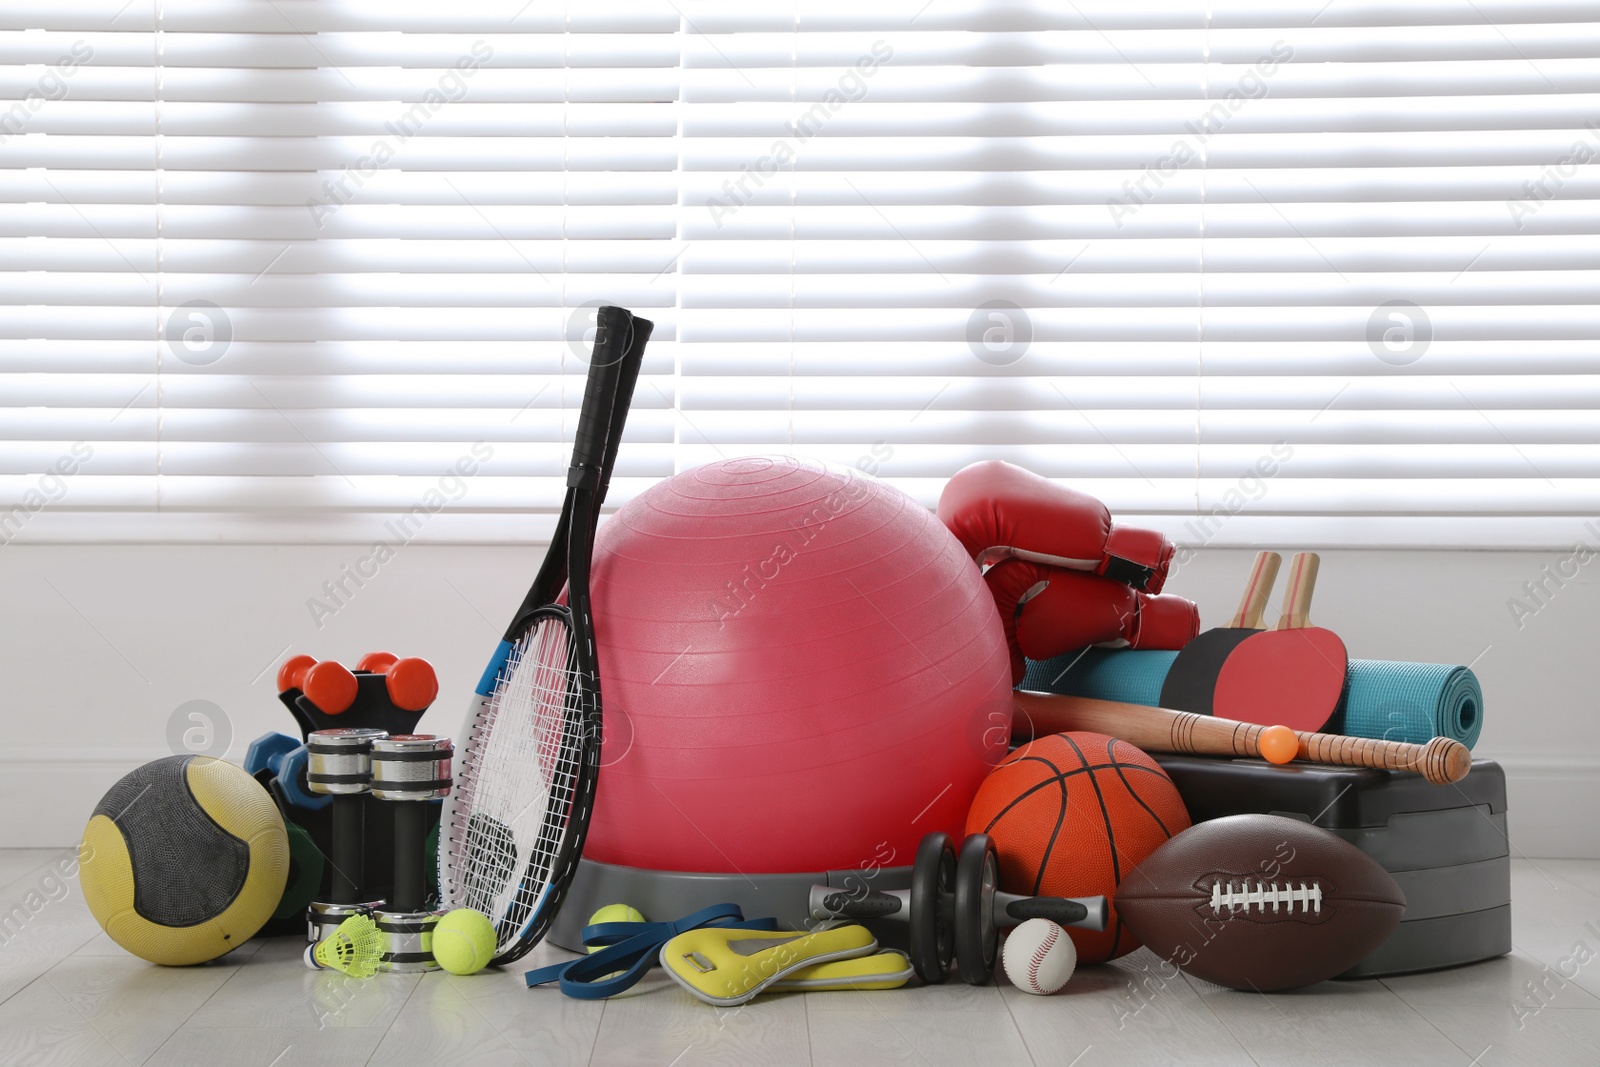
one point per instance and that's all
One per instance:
(1286, 895)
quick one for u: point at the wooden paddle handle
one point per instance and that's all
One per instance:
(1297, 595)
(1440, 761)
(1256, 591)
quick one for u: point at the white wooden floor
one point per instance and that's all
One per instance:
(69, 996)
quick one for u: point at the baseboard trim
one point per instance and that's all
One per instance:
(50, 792)
(1550, 801)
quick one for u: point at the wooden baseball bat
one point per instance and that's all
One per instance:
(1440, 761)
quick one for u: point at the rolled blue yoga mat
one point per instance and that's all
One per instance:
(1411, 702)
(1132, 676)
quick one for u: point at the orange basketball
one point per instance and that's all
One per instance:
(1071, 814)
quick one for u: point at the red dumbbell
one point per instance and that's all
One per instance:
(331, 687)
(292, 675)
(377, 662)
(412, 683)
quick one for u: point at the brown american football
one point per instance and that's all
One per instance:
(1260, 902)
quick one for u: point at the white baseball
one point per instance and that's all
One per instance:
(1039, 957)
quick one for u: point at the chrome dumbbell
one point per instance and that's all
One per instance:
(408, 771)
(339, 766)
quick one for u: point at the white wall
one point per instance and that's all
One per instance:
(100, 644)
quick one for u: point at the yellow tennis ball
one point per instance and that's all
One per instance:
(463, 941)
(615, 913)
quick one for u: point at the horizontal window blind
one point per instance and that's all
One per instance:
(1252, 272)
(300, 267)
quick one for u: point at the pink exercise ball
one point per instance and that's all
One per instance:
(801, 670)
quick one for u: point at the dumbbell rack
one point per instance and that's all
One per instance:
(384, 693)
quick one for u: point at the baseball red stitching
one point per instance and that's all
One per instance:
(1038, 957)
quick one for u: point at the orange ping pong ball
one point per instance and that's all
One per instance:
(1278, 744)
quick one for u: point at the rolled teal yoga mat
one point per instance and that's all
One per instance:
(1132, 676)
(1412, 702)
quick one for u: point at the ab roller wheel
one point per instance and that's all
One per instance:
(932, 881)
(977, 883)
(955, 907)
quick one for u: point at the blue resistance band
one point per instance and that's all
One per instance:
(632, 948)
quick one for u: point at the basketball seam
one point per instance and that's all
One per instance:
(1060, 776)
(1061, 818)
(1054, 770)
(1039, 954)
(1111, 834)
(1140, 801)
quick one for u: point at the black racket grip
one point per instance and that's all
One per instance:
(873, 905)
(613, 332)
(626, 382)
(1058, 910)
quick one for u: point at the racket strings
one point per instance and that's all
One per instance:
(517, 782)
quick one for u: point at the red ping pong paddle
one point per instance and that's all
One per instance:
(1291, 675)
(1192, 678)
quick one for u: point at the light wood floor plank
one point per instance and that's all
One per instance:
(17, 863)
(39, 1028)
(1492, 984)
(661, 1024)
(275, 989)
(1556, 923)
(1585, 874)
(1128, 1011)
(41, 931)
(1501, 1039)
(134, 1006)
(70, 997)
(1333, 1024)
(490, 1018)
(917, 1039)
(257, 1046)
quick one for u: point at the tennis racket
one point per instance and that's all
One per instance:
(516, 819)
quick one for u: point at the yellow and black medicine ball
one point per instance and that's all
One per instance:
(184, 859)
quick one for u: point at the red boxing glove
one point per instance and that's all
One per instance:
(999, 511)
(1048, 610)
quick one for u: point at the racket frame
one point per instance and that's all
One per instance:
(613, 372)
